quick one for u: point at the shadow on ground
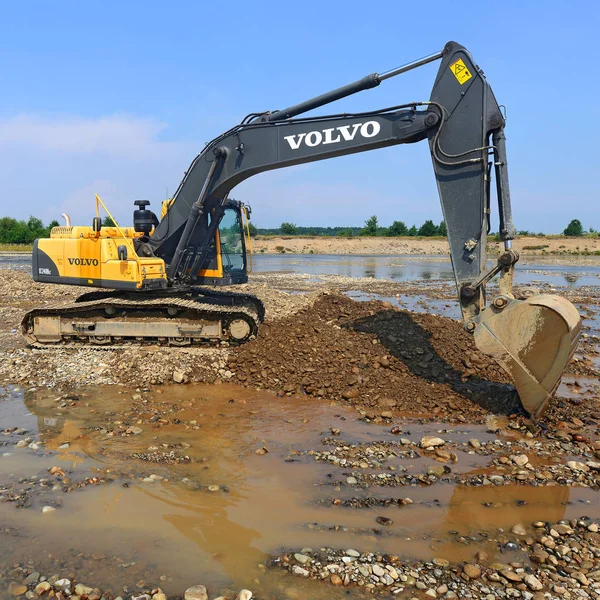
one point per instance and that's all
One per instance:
(409, 342)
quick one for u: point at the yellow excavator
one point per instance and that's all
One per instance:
(160, 275)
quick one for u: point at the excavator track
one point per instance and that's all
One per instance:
(116, 319)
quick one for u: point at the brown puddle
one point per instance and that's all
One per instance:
(176, 527)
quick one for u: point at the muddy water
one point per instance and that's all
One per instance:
(159, 517)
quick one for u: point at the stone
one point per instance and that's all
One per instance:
(351, 480)
(83, 590)
(520, 459)
(298, 570)
(48, 509)
(511, 575)
(431, 442)
(482, 557)
(21, 444)
(352, 553)
(134, 430)
(244, 595)
(179, 377)
(17, 589)
(474, 443)
(196, 592)
(336, 579)
(302, 558)
(441, 562)
(519, 529)
(386, 414)
(42, 588)
(95, 594)
(575, 465)
(431, 593)
(213, 488)
(33, 578)
(62, 584)
(472, 571)
(378, 570)
(159, 596)
(533, 583)
(436, 471)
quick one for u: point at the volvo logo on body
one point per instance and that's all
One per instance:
(83, 262)
(334, 135)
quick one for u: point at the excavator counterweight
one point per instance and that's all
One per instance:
(156, 267)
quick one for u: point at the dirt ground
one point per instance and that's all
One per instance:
(527, 246)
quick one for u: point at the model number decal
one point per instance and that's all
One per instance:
(43, 271)
(83, 262)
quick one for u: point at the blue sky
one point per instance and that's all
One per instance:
(118, 97)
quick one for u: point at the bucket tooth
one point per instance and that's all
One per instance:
(533, 340)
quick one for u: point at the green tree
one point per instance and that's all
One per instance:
(370, 228)
(345, 233)
(252, 229)
(442, 229)
(429, 228)
(288, 229)
(108, 222)
(54, 223)
(397, 228)
(574, 228)
(413, 231)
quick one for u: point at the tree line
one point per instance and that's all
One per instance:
(13, 231)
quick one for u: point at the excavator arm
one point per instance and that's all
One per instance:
(461, 121)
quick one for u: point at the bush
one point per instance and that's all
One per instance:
(397, 228)
(288, 229)
(370, 228)
(574, 228)
(428, 229)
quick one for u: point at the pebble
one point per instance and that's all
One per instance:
(17, 589)
(48, 509)
(533, 583)
(472, 571)
(378, 570)
(42, 588)
(336, 579)
(244, 595)
(519, 529)
(352, 553)
(441, 562)
(351, 480)
(302, 558)
(575, 465)
(521, 460)
(431, 442)
(196, 592)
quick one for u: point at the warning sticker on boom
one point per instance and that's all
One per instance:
(460, 71)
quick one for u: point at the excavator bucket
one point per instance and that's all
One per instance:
(533, 340)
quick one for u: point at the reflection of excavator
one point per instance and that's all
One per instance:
(156, 266)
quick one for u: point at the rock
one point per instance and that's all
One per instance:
(575, 465)
(511, 575)
(17, 589)
(62, 584)
(436, 471)
(298, 570)
(244, 595)
(352, 553)
(83, 590)
(302, 558)
(431, 593)
(336, 579)
(213, 488)
(196, 592)
(482, 557)
(351, 480)
(520, 460)
(21, 444)
(431, 442)
(48, 509)
(384, 521)
(539, 557)
(386, 414)
(378, 570)
(95, 594)
(519, 529)
(159, 596)
(441, 562)
(42, 588)
(581, 578)
(134, 430)
(472, 571)
(474, 443)
(533, 583)
(33, 578)
(261, 451)
(179, 377)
